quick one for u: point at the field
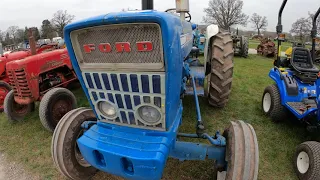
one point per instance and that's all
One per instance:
(29, 144)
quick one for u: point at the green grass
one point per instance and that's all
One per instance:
(29, 143)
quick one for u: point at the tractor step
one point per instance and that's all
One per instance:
(198, 73)
(303, 106)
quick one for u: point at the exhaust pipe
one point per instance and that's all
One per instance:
(32, 42)
(147, 4)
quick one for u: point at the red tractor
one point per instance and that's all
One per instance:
(42, 77)
(12, 56)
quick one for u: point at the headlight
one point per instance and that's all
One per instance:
(107, 109)
(149, 114)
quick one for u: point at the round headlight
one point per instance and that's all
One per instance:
(107, 109)
(149, 114)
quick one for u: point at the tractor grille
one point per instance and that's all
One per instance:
(19, 83)
(112, 34)
(127, 91)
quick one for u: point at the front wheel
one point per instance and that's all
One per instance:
(242, 153)
(4, 90)
(271, 104)
(54, 105)
(13, 110)
(307, 161)
(64, 148)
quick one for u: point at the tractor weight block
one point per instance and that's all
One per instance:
(242, 153)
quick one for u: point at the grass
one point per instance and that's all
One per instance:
(29, 143)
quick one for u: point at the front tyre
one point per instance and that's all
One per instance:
(4, 90)
(220, 77)
(54, 105)
(64, 148)
(271, 104)
(13, 110)
(242, 153)
(307, 161)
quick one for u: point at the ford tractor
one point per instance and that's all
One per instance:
(296, 93)
(17, 54)
(199, 40)
(240, 45)
(134, 68)
(42, 77)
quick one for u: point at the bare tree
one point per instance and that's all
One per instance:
(2, 35)
(225, 13)
(12, 30)
(301, 28)
(60, 20)
(259, 22)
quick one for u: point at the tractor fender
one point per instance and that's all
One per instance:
(276, 77)
(211, 31)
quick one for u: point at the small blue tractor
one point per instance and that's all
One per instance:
(134, 68)
(296, 93)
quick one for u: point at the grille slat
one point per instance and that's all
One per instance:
(115, 34)
(19, 83)
(128, 102)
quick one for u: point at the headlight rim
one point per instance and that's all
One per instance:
(116, 115)
(139, 118)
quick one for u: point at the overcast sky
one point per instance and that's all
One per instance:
(31, 12)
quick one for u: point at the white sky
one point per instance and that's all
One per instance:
(31, 12)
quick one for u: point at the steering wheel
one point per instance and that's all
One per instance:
(173, 11)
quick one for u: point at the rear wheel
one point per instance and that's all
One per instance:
(54, 105)
(271, 104)
(64, 148)
(220, 77)
(307, 161)
(13, 110)
(4, 90)
(244, 46)
(242, 153)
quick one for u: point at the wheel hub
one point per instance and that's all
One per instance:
(266, 102)
(303, 162)
(60, 108)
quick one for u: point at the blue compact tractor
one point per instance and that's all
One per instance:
(135, 69)
(296, 94)
(199, 40)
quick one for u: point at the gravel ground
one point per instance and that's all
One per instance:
(13, 171)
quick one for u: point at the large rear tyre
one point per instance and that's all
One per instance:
(64, 148)
(220, 77)
(54, 105)
(244, 46)
(4, 90)
(307, 161)
(14, 111)
(242, 153)
(271, 104)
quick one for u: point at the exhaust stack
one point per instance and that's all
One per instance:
(147, 4)
(32, 42)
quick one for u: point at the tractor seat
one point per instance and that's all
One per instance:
(301, 62)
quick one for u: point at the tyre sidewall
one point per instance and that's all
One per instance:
(270, 91)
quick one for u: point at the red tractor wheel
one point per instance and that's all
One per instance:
(64, 148)
(242, 153)
(4, 90)
(54, 105)
(13, 110)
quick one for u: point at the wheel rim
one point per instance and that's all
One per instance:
(78, 154)
(303, 162)
(60, 108)
(266, 102)
(3, 92)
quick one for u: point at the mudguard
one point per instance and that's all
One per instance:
(275, 75)
(211, 31)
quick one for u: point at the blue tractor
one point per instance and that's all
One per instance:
(296, 93)
(134, 68)
(199, 40)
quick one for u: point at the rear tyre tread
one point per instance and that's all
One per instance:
(221, 69)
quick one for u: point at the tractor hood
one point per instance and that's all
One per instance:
(11, 57)
(41, 62)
